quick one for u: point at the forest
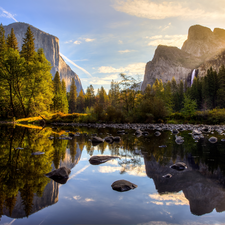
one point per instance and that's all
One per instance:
(27, 89)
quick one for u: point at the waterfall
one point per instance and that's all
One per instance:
(192, 76)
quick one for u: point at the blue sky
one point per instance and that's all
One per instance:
(107, 37)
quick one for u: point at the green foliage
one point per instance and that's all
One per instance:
(190, 106)
(73, 97)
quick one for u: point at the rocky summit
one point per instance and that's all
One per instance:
(202, 49)
(50, 45)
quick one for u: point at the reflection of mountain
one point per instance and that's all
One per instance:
(204, 194)
(49, 197)
(51, 191)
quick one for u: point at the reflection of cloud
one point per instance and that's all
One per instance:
(171, 199)
(169, 40)
(157, 11)
(131, 170)
(157, 203)
(77, 197)
(7, 14)
(78, 172)
(89, 200)
(135, 68)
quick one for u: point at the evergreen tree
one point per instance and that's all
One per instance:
(221, 88)
(73, 97)
(64, 98)
(2, 43)
(81, 102)
(57, 99)
(12, 41)
(28, 47)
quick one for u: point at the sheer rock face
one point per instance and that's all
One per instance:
(200, 51)
(50, 45)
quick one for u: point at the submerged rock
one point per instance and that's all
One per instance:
(123, 185)
(60, 175)
(38, 153)
(213, 140)
(96, 160)
(157, 133)
(179, 140)
(179, 166)
(167, 176)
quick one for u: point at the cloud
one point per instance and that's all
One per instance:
(7, 14)
(158, 11)
(89, 39)
(77, 42)
(120, 42)
(132, 69)
(70, 61)
(169, 40)
(89, 200)
(125, 51)
(104, 80)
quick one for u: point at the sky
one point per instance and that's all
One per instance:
(99, 39)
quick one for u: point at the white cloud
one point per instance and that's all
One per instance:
(7, 14)
(77, 42)
(120, 42)
(169, 40)
(125, 51)
(70, 61)
(162, 10)
(132, 69)
(89, 39)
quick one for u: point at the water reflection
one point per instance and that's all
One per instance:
(25, 190)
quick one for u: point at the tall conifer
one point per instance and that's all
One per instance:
(12, 41)
(73, 97)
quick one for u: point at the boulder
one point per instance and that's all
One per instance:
(96, 140)
(179, 166)
(96, 160)
(117, 139)
(110, 139)
(123, 185)
(60, 175)
(179, 140)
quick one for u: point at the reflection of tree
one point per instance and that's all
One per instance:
(73, 149)
(20, 171)
(59, 150)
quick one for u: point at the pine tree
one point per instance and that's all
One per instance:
(64, 98)
(12, 41)
(73, 97)
(2, 42)
(28, 47)
(57, 99)
(221, 88)
(81, 102)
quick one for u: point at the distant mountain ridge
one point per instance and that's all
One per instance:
(202, 49)
(50, 45)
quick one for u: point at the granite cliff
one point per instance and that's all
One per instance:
(202, 49)
(50, 45)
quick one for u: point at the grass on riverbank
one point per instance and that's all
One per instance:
(215, 116)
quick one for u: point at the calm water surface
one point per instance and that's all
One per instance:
(193, 196)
